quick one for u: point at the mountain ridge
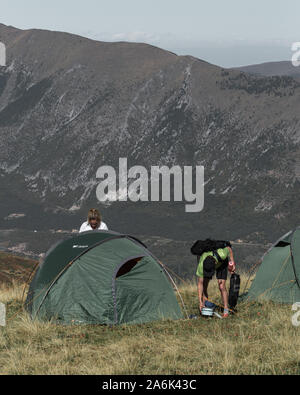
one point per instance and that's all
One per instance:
(268, 69)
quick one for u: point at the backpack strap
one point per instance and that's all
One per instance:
(217, 256)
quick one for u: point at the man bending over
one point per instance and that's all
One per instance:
(209, 263)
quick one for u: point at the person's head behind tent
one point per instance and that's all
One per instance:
(94, 218)
(94, 222)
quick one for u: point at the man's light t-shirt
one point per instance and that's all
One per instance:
(85, 227)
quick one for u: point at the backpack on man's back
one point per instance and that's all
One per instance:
(201, 246)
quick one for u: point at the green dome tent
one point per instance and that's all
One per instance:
(101, 277)
(278, 277)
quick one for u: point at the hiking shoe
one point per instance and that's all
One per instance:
(225, 315)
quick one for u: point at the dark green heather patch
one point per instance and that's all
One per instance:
(15, 110)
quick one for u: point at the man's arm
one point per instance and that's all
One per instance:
(231, 254)
(200, 292)
(231, 258)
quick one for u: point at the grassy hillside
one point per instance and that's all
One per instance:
(260, 339)
(15, 268)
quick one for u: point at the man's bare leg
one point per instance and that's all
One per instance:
(205, 287)
(202, 291)
(224, 293)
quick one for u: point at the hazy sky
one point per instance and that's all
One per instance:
(224, 32)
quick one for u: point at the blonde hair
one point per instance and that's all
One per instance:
(94, 213)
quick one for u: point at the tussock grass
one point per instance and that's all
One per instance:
(259, 339)
(11, 292)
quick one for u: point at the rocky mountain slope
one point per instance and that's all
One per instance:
(69, 105)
